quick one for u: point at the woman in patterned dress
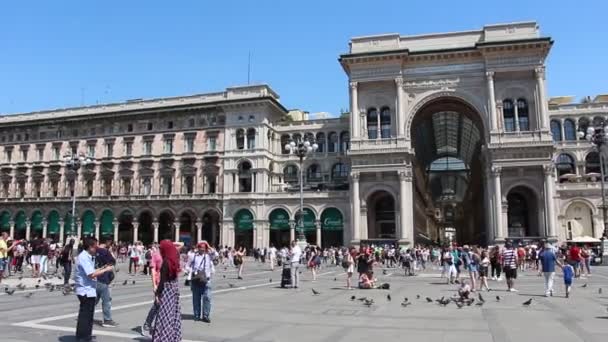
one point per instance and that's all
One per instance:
(168, 324)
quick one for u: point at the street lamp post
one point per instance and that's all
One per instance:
(73, 162)
(301, 149)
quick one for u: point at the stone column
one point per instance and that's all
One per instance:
(292, 230)
(28, 229)
(135, 225)
(542, 97)
(61, 231)
(318, 229)
(498, 230)
(551, 230)
(44, 228)
(78, 227)
(199, 231)
(12, 230)
(115, 225)
(563, 135)
(155, 228)
(176, 225)
(354, 111)
(406, 207)
(401, 107)
(96, 229)
(356, 212)
(492, 101)
(516, 113)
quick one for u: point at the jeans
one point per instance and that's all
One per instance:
(151, 315)
(496, 269)
(133, 263)
(295, 274)
(548, 282)
(67, 272)
(44, 264)
(84, 324)
(201, 292)
(103, 293)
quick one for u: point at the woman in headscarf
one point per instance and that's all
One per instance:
(168, 323)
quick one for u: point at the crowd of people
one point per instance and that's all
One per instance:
(95, 265)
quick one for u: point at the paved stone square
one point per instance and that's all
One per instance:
(257, 309)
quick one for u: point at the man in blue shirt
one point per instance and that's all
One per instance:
(103, 258)
(86, 289)
(548, 260)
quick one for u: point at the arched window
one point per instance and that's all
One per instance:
(297, 138)
(522, 115)
(372, 123)
(583, 124)
(284, 141)
(569, 130)
(344, 141)
(309, 137)
(240, 139)
(592, 163)
(290, 174)
(339, 171)
(556, 130)
(333, 142)
(321, 142)
(251, 138)
(245, 177)
(313, 173)
(565, 165)
(508, 114)
(598, 121)
(385, 123)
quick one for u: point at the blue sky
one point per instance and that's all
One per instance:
(56, 54)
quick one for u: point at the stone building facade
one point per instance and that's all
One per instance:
(450, 135)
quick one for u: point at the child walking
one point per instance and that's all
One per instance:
(568, 272)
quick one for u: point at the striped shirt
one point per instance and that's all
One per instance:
(509, 257)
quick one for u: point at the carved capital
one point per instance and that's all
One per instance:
(406, 175)
(548, 169)
(318, 224)
(496, 171)
(353, 85)
(540, 72)
(399, 81)
(354, 176)
(490, 75)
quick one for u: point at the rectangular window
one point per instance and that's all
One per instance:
(8, 155)
(109, 150)
(211, 144)
(191, 123)
(5, 189)
(189, 184)
(150, 126)
(74, 150)
(37, 191)
(91, 151)
(147, 186)
(211, 184)
(168, 146)
(107, 187)
(40, 154)
(56, 153)
(55, 188)
(128, 149)
(92, 131)
(126, 186)
(170, 124)
(21, 189)
(167, 185)
(24, 155)
(189, 145)
(129, 127)
(147, 148)
(89, 188)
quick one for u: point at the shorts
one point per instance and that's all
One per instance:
(2, 264)
(510, 273)
(483, 271)
(35, 259)
(568, 282)
(575, 264)
(472, 268)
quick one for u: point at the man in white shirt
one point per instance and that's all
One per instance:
(295, 256)
(272, 253)
(202, 262)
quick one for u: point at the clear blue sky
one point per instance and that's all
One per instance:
(54, 54)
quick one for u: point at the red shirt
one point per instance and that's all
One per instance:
(575, 253)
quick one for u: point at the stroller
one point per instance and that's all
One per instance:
(286, 275)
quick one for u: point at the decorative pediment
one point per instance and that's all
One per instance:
(166, 171)
(71, 174)
(54, 175)
(126, 173)
(146, 172)
(107, 173)
(188, 170)
(38, 176)
(211, 170)
(6, 178)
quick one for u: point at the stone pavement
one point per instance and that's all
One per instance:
(257, 309)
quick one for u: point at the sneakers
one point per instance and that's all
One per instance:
(493, 278)
(513, 290)
(499, 279)
(145, 331)
(206, 320)
(109, 324)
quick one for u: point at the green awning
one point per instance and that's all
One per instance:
(52, 223)
(5, 221)
(331, 219)
(20, 221)
(36, 223)
(67, 225)
(243, 220)
(279, 219)
(309, 220)
(107, 223)
(88, 223)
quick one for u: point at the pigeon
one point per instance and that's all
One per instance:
(429, 299)
(10, 292)
(52, 288)
(498, 298)
(43, 277)
(599, 290)
(270, 280)
(480, 298)
(405, 304)
(528, 302)
(584, 285)
(417, 296)
(223, 276)
(37, 286)
(20, 277)
(440, 300)
(362, 299)
(125, 282)
(444, 302)
(459, 305)
(352, 298)
(480, 304)
(28, 295)
(231, 285)
(388, 297)
(335, 279)
(384, 272)
(133, 282)
(315, 292)
(405, 299)
(21, 286)
(470, 301)
(368, 302)
(59, 277)
(39, 280)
